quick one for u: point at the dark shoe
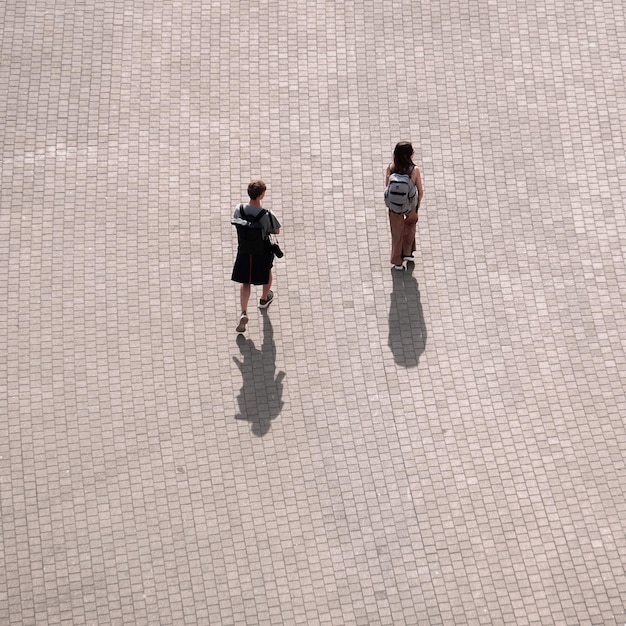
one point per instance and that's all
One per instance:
(263, 304)
(243, 320)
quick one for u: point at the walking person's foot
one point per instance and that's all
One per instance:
(264, 303)
(243, 320)
(399, 268)
(408, 259)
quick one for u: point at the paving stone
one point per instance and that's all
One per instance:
(439, 446)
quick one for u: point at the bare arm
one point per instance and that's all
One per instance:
(417, 179)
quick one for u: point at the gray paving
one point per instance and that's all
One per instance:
(441, 446)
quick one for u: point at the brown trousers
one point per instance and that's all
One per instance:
(402, 235)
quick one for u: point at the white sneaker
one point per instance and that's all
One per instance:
(408, 259)
(263, 304)
(243, 320)
(398, 267)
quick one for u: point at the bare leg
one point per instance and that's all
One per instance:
(266, 288)
(244, 296)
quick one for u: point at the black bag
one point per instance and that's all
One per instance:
(251, 238)
(275, 248)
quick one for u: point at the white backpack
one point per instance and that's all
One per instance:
(401, 193)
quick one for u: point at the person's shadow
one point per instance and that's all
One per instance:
(260, 398)
(407, 329)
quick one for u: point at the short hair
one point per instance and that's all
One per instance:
(256, 188)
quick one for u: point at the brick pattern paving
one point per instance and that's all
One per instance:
(440, 446)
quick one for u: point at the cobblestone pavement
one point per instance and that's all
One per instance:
(445, 445)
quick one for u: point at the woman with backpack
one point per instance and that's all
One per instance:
(403, 195)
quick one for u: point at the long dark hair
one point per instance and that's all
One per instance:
(403, 158)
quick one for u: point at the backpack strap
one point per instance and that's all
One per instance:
(251, 218)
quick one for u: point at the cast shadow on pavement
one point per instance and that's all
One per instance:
(407, 329)
(260, 398)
